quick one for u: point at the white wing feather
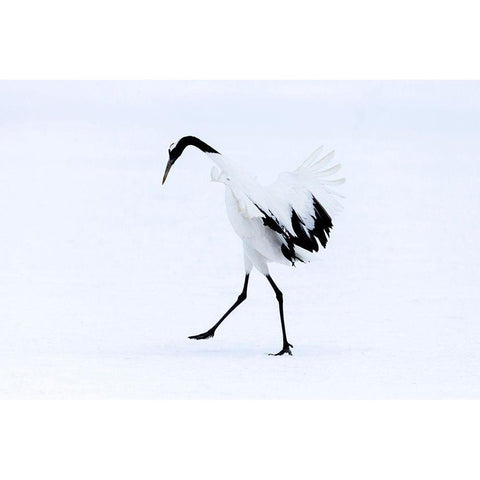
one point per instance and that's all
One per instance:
(298, 206)
(294, 190)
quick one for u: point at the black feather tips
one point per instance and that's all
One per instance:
(302, 236)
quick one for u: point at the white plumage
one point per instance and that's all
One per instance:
(248, 203)
(286, 222)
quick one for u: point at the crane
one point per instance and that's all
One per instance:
(285, 223)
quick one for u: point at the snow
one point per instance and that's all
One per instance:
(104, 273)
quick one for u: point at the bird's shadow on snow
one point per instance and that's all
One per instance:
(209, 351)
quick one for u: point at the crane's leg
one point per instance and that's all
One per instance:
(279, 295)
(210, 333)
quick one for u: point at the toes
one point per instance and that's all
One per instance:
(282, 352)
(201, 336)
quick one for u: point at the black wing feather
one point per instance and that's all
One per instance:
(301, 236)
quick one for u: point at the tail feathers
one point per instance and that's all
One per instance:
(338, 181)
(316, 161)
(317, 174)
(329, 171)
(316, 168)
(304, 204)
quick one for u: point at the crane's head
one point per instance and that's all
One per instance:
(173, 154)
(176, 149)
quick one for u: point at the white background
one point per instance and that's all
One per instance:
(368, 40)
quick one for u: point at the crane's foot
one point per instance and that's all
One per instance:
(283, 351)
(202, 336)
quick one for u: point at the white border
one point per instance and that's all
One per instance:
(239, 440)
(213, 39)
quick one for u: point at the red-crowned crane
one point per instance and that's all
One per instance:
(284, 223)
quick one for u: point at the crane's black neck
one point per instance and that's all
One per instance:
(184, 142)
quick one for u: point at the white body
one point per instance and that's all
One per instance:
(246, 199)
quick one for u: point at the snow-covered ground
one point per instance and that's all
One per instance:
(104, 272)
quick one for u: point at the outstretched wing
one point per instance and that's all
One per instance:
(301, 205)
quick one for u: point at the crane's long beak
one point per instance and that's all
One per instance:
(167, 169)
